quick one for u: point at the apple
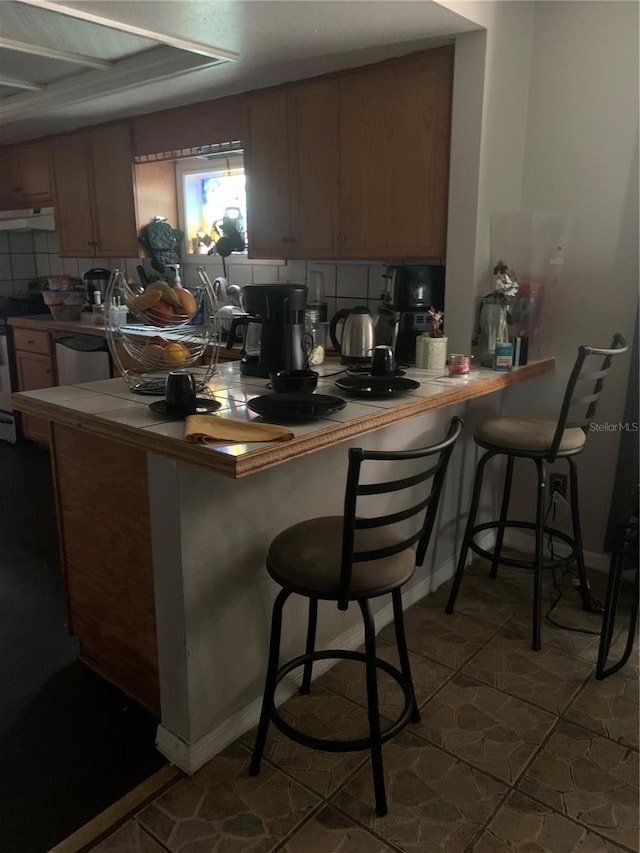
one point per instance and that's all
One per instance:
(162, 314)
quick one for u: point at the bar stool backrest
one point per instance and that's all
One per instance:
(422, 488)
(584, 387)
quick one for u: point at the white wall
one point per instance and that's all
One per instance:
(559, 133)
(581, 156)
(491, 84)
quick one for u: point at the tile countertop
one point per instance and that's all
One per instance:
(108, 409)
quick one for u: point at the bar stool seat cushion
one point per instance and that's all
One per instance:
(308, 555)
(528, 435)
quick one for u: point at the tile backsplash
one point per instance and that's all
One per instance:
(25, 255)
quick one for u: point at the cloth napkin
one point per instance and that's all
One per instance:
(202, 429)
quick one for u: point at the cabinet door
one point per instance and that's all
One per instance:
(35, 371)
(395, 139)
(314, 137)
(72, 197)
(10, 197)
(113, 192)
(35, 173)
(266, 163)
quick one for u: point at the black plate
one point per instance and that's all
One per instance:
(376, 386)
(295, 408)
(365, 370)
(204, 405)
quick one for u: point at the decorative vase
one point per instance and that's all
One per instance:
(435, 353)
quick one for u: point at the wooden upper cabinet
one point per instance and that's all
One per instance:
(395, 140)
(25, 176)
(73, 199)
(94, 193)
(355, 165)
(314, 169)
(113, 192)
(9, 181)
(34, 159)
(266, 163)
(291, 162)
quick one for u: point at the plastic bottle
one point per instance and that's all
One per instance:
(97, 309)
(317, 308)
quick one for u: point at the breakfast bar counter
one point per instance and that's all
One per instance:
(163, 541)
(108, 409)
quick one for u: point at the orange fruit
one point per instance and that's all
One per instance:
(175, 354)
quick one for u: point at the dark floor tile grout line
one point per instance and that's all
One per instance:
(315, 810)
(152, 836)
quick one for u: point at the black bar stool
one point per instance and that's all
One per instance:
(542, 441)
(355, 557)
(624, 557)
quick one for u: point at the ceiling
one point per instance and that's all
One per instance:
(68, 64)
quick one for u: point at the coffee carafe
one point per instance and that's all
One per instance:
(277, 310)
(96, 279)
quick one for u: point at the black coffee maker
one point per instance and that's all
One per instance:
(273, 328)
(403, 313)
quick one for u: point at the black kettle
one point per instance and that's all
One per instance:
(357, 335)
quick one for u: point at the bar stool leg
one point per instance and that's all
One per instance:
(373, 709)
(403, 654)
(610, 608)
(270, 682)
(577, 535)
(468, 532)
(539, 545)
(506, 494)
(311, 643)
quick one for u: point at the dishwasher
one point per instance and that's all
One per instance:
(82, 358)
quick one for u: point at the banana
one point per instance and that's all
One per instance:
(167, 293)
(145, 300)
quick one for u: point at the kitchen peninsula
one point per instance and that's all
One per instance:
(163, 541)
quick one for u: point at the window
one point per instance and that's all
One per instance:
(211, 197)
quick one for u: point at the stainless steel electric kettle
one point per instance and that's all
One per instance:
(355, 339)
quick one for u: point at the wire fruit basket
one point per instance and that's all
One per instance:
(165, 330)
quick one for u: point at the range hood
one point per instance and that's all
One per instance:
(34, 219)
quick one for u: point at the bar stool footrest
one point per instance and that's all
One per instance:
(557, 563)
(343, 745)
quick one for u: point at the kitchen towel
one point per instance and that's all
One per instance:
(202, 429)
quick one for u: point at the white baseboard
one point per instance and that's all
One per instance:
(189, 757)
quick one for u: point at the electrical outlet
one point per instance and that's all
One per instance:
(558, 483)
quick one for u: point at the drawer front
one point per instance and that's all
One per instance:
(32, 340)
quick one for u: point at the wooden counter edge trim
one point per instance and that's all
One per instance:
(262, 458)
(46, 323)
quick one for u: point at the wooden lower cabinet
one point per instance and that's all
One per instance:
(36, 369)
(105, 540)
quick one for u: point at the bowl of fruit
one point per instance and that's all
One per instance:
(162, 304)
(168, 328)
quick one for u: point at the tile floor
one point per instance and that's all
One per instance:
(516, 750)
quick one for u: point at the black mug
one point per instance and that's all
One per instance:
(180, 393)
(382, 361)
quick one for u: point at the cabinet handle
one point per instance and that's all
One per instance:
(284, 239)
(293, 239)
(30, 341)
